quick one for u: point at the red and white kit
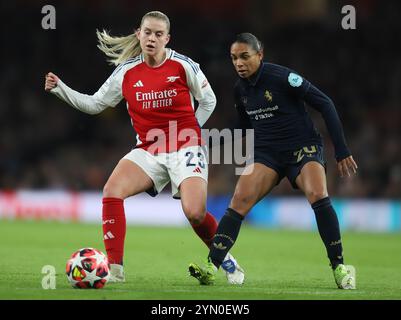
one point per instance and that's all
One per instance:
(160, 102)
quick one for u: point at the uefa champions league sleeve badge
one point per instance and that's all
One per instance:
(294, 80)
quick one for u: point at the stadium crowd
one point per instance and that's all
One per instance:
(46, 144)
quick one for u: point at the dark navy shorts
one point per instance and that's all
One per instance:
(289, 163)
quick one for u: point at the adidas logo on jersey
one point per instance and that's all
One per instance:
(197, 170)
(138, 84)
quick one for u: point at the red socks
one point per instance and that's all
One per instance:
(206, 229)
(114, 228)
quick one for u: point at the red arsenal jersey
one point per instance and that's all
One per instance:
(160, 100)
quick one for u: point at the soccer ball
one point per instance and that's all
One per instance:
(88, 268)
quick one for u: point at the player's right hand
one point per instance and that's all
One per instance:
(346, 166)
(50, 81)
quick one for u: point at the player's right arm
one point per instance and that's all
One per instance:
(109, 94)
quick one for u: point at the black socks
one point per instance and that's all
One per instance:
(226, 234)
(327, 223)
(329, 230)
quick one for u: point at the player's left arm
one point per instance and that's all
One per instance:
(322, 103)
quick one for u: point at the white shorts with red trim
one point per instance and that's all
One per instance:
(174, 166)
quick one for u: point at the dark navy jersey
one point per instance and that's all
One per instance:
(272, 102)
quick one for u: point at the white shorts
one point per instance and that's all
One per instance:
(174, 166)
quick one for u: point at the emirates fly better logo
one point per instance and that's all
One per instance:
(156, 99)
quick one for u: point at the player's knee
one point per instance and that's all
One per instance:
(111, 190)
(316, 195)
(195, 214)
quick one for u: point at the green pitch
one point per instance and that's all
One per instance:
(278, 264)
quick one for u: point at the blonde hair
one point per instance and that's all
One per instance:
(120, 49)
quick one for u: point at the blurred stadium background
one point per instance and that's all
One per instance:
(55, 160)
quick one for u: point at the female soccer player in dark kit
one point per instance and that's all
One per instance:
(270, 99)
(159, 85)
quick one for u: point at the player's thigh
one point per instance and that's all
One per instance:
(312, 181)
(193, 191)
(127, 179)
(256, 181)
(188, 170)
(187, 163)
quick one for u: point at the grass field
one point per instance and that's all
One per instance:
(279, 264)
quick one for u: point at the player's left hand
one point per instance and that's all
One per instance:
(347, 166)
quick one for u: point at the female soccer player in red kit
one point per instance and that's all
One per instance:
(159, 86)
